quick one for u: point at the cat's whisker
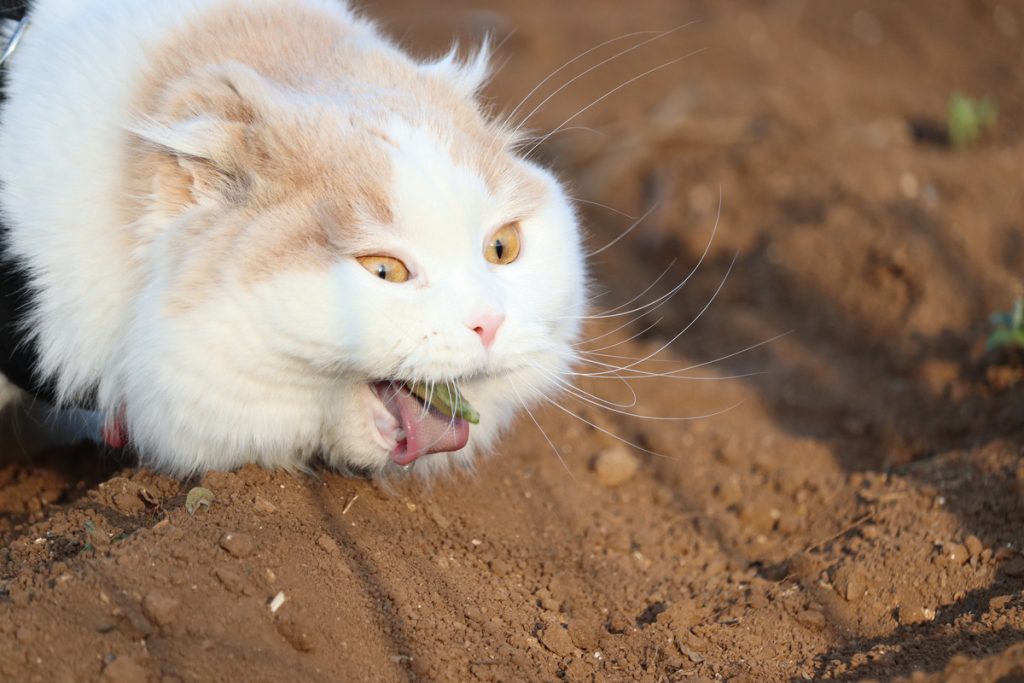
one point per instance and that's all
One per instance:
(623, 341)
(693, 322)
(603, 430)
(697, 378)
(649, 287)
(608, 94)
(533, 419)
(595, 131)
(593, 68)
(501, 44)
(616, 370)
(695, 366)
(626, 232)
(653, 305)
(643, 374)
(573, 389)
(656, 418)
(578, 200)
(600, 402)
(661, 300)
(508, 117)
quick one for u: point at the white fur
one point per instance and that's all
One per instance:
(277, 372)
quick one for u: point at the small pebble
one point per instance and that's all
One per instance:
(615, 466)
(276, 602)
(956, 554)
(296, 632)
(329, 545)
(239, 545)
(264, 506)
(913, 612)
(159, 607)
(974, 545)
(689, 653)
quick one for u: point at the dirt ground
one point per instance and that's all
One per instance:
(854, 507)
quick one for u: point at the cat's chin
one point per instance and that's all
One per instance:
(408, 429)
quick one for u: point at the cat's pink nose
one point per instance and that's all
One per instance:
(487, 326)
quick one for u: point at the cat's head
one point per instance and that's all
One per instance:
(316, 246)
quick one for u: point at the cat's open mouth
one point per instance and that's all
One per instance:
(410, 428)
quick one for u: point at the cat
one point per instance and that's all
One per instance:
(256, 231)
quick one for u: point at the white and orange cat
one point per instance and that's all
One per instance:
(248, 226)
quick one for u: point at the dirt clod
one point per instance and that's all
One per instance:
(329, 545)
(231, 579)
(556, 638)
(160, 607)
(296, 631)
(812, 619)
(128, 503)
(239, 545)
(913, 611)
(850, 582)
(124, 670)
(264, 506)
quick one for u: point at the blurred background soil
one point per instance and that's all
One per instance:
(852, 510)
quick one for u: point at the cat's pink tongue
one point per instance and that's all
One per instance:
(427, 430)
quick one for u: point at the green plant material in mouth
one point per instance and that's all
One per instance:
(446, 399)
(1009, 328)
(969, 118)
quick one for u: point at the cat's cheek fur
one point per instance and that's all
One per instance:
(200, 390)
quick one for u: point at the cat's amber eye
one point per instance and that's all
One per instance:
(385, 267)
(503, 247)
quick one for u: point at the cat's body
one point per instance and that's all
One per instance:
(197, 190)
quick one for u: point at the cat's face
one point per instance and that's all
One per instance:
(352, 247)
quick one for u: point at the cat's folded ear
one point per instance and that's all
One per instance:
(204, 135)
(466, 75)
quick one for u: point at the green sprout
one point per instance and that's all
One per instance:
(969, 118)
(90, 529)
(1009, 328)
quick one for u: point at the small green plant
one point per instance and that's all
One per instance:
(969, 118)
(1008, 329)
(90, 530)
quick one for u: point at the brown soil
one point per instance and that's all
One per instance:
(858, 515)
